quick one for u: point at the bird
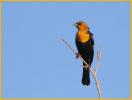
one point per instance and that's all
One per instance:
(85, 45)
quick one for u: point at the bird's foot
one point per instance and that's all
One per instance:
(86, 67)
(77, 55)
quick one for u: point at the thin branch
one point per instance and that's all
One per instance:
(99, 59)
(69, 46)
(97, 83)
(91, 69)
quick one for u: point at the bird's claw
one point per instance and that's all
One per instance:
(86, 67)
(77, 55)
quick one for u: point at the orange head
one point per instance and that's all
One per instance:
(81, 26)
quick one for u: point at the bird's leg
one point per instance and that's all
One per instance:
(77, 55)
(86, 66)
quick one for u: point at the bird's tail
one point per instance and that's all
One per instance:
(86, 76)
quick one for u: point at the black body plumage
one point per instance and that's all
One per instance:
(86, 50)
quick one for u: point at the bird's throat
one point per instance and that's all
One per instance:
(83, 36)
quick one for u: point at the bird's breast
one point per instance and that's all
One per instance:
(83, 37)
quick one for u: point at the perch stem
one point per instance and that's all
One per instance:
(91, 69)
(99, 58)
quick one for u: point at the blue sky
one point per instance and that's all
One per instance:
(35, 62)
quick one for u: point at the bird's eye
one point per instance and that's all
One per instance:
(79, 24)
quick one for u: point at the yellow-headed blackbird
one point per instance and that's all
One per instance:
(85, 45)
